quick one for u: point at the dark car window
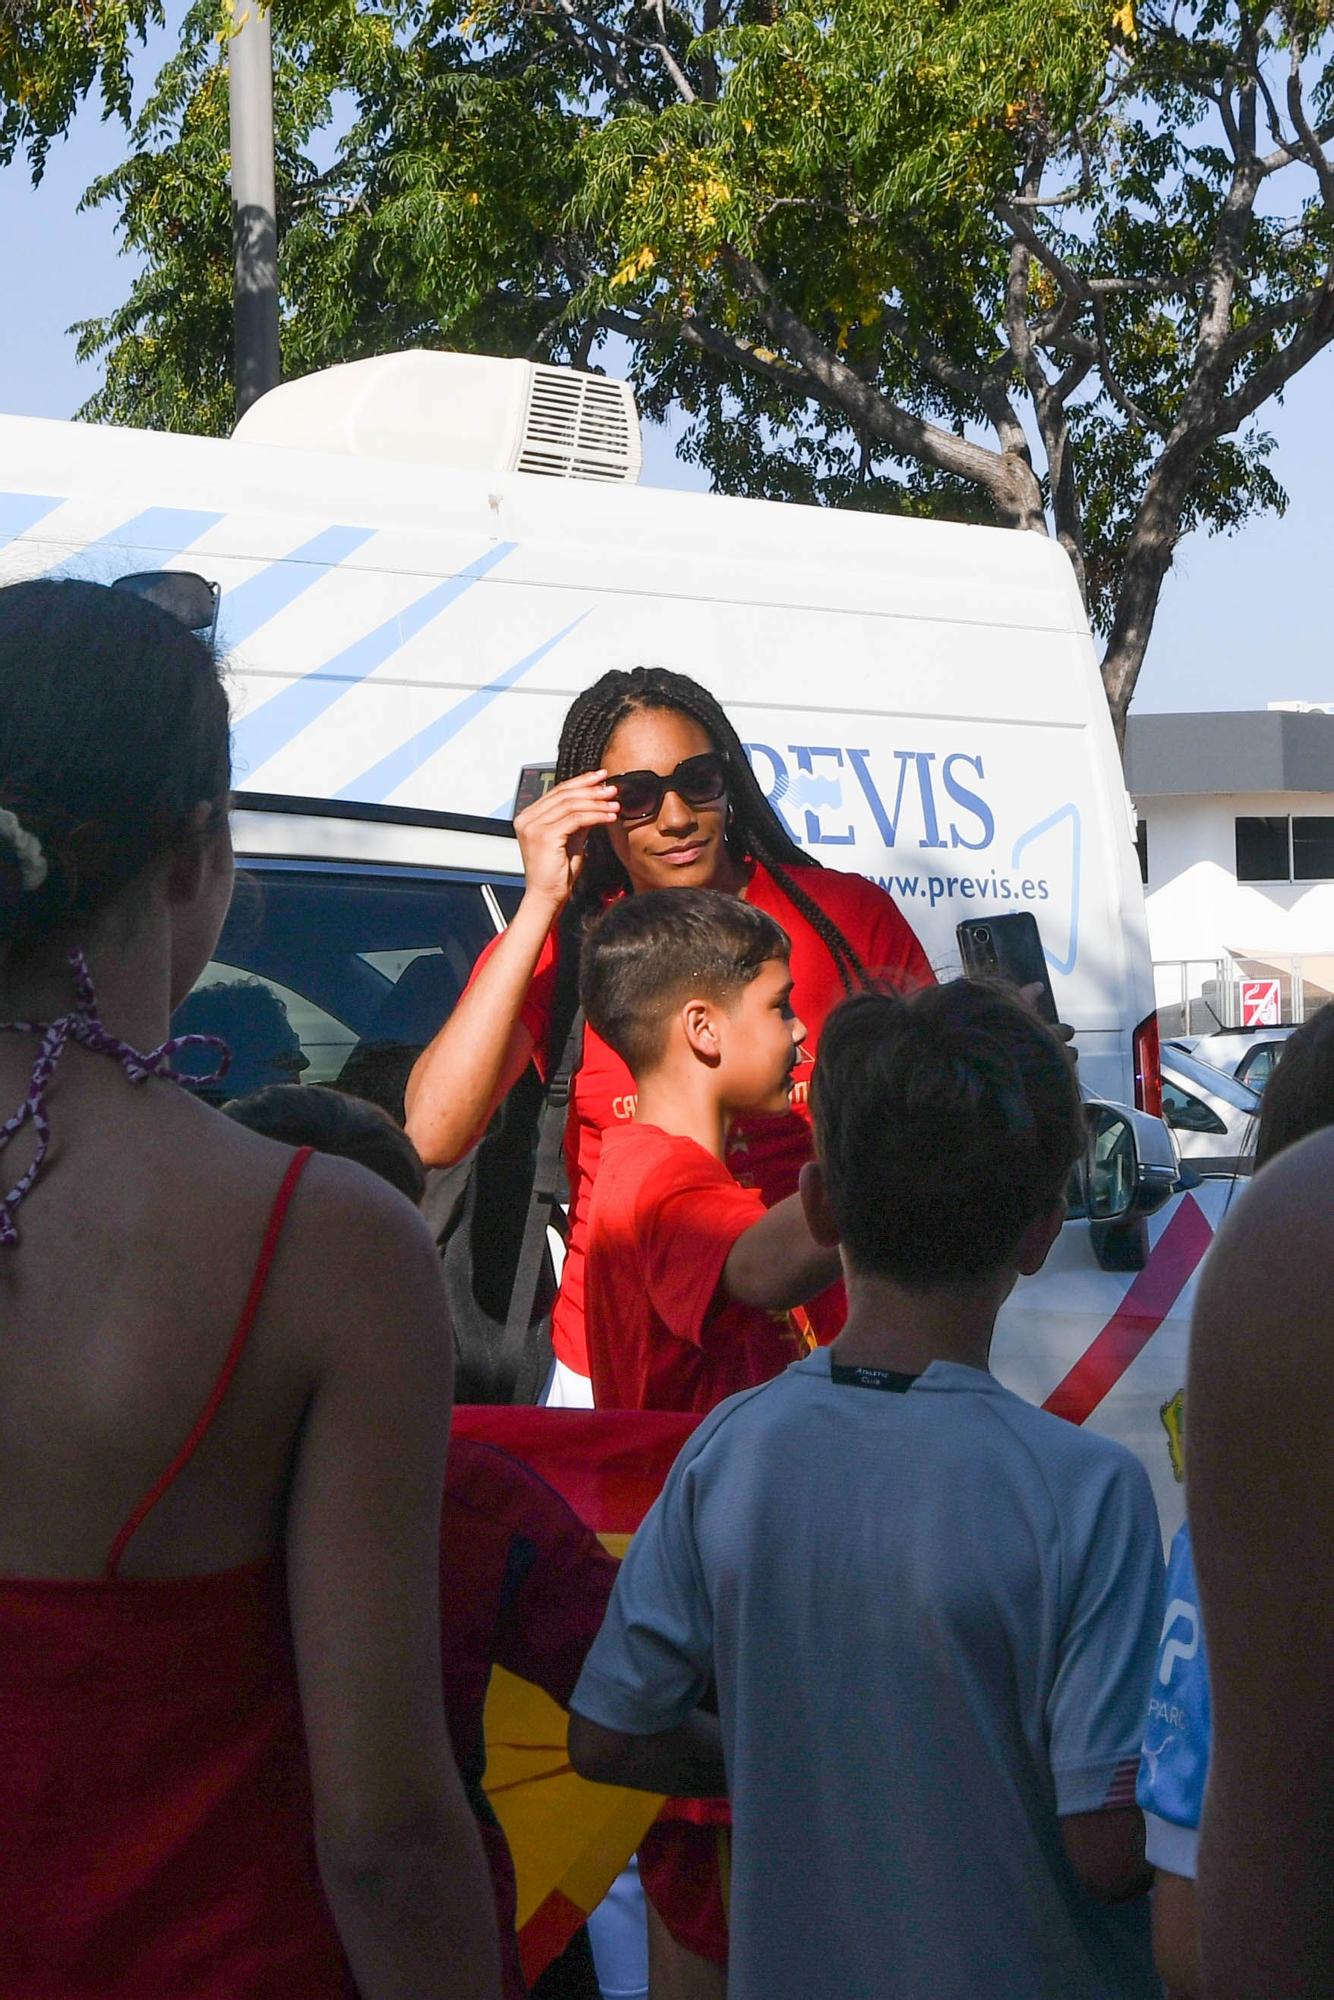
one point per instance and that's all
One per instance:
(329, 975)
(1188, 1113)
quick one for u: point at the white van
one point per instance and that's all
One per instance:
(409, 602)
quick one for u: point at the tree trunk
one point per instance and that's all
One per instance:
(1148, 558)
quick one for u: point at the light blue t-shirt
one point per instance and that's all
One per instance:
(931, 1617)
(1175, 1759)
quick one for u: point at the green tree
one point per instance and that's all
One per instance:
(53, 53)
(1026, 261)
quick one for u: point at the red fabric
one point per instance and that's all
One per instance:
(609, 1465)
(680, 1867)
(158, 1819)
(523, 1585)
(663, 1219)
(547, 1932)
(766, 1153)
(158, 1823)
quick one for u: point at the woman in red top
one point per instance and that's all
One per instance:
(653, 790)
(224, 1769)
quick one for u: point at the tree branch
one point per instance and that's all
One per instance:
(1007, 479)
(1306, 343)
(678, 76)
(708, 339)
(1291, 149)
(592, 43)
(1311, 146)
(1077, 289)
(1209, 366)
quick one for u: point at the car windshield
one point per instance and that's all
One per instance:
(325, 974)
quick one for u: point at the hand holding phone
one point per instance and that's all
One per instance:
(1009, 947)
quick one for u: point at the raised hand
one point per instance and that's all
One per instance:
(553, 832)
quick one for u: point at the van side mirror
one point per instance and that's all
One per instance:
(1129, 1170)
(182, 593)
(1112, 1166)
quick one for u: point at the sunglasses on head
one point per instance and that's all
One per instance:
(700, 781)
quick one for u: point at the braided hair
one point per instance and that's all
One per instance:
(755, 829)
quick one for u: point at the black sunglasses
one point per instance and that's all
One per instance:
(700, 781)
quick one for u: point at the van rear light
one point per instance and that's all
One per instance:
(1147, 1058)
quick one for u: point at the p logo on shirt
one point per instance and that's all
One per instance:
(1179, 1612)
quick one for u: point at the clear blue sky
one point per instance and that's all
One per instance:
(1244, 619)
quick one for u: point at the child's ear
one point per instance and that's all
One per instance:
(192, 861)
(1037, 1239)
(699, 1024)
(815, 1205)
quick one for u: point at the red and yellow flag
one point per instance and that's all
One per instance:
(569, 1839)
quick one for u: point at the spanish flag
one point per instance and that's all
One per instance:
(569, 1839)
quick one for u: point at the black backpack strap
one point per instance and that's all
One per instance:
(566, 1036)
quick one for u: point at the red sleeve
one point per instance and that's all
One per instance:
(874, 926)
(551, 1621)
(686, 1228)
(535, 1013)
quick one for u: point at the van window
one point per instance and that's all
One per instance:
(329, 975)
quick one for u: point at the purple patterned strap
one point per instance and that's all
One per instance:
(83, 1025)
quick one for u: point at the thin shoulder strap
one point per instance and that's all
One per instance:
(249, 1312)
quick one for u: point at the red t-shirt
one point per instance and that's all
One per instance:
(764, 1152)
(663, 1218)
(523, 1585)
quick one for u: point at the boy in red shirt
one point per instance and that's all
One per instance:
(693, 1288)
(691, 1282)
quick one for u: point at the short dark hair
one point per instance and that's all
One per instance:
(1299, 1096)
(308, 1114)
(646, 954)
(113, 730)
(946, 1121)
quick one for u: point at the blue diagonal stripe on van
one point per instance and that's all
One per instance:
(157, 531)
(21, 511)
(1066, 962)
(279, 583)
(271, 727)
(373, 787)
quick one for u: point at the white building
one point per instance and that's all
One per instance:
(1236, 840)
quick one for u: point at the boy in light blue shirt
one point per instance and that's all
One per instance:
(929, 1611)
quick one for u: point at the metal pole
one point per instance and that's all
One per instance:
(254, 221)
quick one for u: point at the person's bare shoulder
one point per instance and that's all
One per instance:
(353, 1251)
(1267, 1287)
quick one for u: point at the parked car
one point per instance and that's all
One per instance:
(353, 932)
(1247, 1054)
(1214, 1117)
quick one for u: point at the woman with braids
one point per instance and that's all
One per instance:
(224, 1769)
(653, 790)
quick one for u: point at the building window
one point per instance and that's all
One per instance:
(1142, 848)
(1262, 850)
(1313, 850)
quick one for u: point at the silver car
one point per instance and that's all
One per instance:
(1215, 1118)
(1247, 1054)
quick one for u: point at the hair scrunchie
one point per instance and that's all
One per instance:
(28, 849)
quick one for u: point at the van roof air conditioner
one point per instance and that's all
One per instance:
(471, 412)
